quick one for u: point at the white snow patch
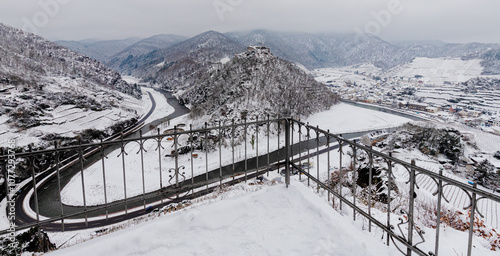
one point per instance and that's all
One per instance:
(344, 118)
(225, 60)
(271, 221)
(438, 70)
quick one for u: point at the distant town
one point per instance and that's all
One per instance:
(474, 102)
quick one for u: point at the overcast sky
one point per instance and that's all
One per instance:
(392, 20)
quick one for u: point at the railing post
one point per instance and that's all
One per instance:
(220, 153)
(471, 222)
(279, 132)
(370, 183)
(206, 154)
(268, 141)
(292, 129)
(300, 149)
(340, 172)
(192, 150)
(142, 169)
(83, 182)
(354, 180)
(176, 158)
(159, 164)
(287, 152)
(317, 157)
(246, 159)
(32, 163)
(411, 207)
(124, 174)
(389, 188)
(257, 144)
(438, 217)
(328, 159)
(232, 145)
(308, 153)
(104, 179)
(59, 184)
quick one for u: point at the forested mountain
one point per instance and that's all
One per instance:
(37, 75)
(319, 50)
(174, 67)
(334, 50)
(256, 83)
(99, 50)
(120, 61)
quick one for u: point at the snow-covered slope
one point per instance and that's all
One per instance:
(46, 88)
(181, 61)
(120, 60)
(336, 50)
(256, 83)
(272, 220)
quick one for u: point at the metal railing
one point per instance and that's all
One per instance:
(289, 149)
(52, 169)
(406, 242)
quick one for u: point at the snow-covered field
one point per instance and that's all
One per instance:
(345, 118)
(359, 74)
(438, 70)
(68, 120)
(342, 118)
(271, 220)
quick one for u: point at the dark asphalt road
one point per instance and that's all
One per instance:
(48, 194)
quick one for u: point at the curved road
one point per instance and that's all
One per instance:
(48, 194)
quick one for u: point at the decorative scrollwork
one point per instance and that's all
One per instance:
(477, 208)
(403, 222)
(122, 151)
(421, 234)
(141, 146)
(178, 174)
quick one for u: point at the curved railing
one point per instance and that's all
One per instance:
(409, 241)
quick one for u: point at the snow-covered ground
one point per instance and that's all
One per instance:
(68, 120)
(345, 118)
(438, 70)
(359, 74)
(270, 220)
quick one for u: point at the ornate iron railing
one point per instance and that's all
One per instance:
(201, 159)
(407, 242)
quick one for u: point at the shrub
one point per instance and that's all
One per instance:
(497, 155)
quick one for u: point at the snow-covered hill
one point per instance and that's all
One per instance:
(256, 83)
(120, 60)
(171, 66)
(337, 50)
(45, 87)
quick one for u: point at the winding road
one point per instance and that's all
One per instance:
(48, 194)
